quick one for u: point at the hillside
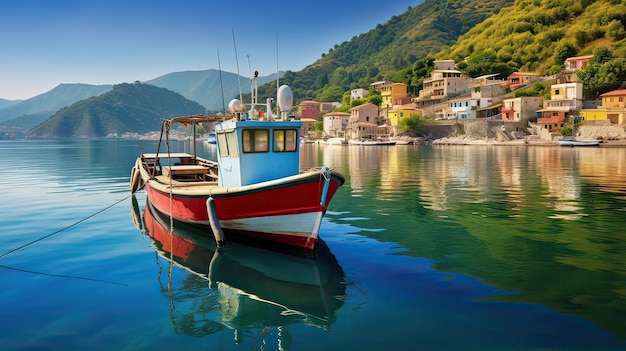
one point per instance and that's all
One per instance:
(533, 35)
(50, 102)
(126, 108)
(483, 36)
(393, 46)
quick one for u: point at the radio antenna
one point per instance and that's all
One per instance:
(219, 66)
(237, 62)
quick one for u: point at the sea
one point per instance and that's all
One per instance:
(444, 247)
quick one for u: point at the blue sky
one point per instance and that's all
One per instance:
(44, 43)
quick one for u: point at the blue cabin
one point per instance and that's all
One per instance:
(252, 151)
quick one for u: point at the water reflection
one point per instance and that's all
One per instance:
(241, 287)
(547, 222)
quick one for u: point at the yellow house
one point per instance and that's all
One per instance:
(388, 92)
(396, 115)
(613, 108)
(594, 115)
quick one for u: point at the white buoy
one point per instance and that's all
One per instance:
(215, 223)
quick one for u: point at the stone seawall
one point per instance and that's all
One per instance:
(474, 132)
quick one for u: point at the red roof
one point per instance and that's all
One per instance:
(365, 124)
(619, 92)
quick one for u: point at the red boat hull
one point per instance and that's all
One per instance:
(289, 213)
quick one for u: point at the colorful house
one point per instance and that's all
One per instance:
(397, 114)
(309, 109)
(362, 122)
(519, 79)
(461, 108)
(564, 98)
(391, 91)
(613, 108)
(520, 109)
(576, 63)
(358, 93)
(335, 123)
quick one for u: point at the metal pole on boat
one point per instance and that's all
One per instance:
(193, 140)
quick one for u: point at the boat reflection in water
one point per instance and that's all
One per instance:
(240, 286)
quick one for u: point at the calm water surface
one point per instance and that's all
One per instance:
(425, 248)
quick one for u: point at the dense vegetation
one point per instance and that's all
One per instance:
(537, 36)
(483, 37)
(126, 108)
(388, 48)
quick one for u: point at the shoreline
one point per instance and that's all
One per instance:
(517, 142)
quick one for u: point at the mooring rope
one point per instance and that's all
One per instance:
(62, 275)
(63, 229)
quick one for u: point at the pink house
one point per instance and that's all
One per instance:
(309, 109)
(518, 79)
(576, 63)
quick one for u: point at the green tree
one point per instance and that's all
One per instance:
(318, 126)
(562, 51)
(332, 93)
(375, 99)
(414, 124)
(602, 74)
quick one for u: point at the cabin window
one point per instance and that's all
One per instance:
(285, 140)
(227, 143)
(256, 140)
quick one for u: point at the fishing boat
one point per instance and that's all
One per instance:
(255, 187)
(570, 141)
(371, 142)
(211, 139)
(240, 286)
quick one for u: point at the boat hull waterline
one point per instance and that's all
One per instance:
(287, 210)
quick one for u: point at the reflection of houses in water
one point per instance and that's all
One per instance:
(558, 172)
(242, 287)
(605, 168)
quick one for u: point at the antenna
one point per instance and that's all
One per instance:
(237, 62)
(219, 66)
(254, 85)
(277, 78)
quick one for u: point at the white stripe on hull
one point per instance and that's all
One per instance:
(305, 225)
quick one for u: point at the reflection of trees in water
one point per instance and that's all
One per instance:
(546, 222)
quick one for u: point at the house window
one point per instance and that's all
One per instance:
(255, 140)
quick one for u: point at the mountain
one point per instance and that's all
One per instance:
(4, 103)
(127, 107)
(50, 102)
(390, 47)
(204, 86)
(200, 86)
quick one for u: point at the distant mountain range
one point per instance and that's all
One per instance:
(136, 107)
(29, 113)
(202, 87)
